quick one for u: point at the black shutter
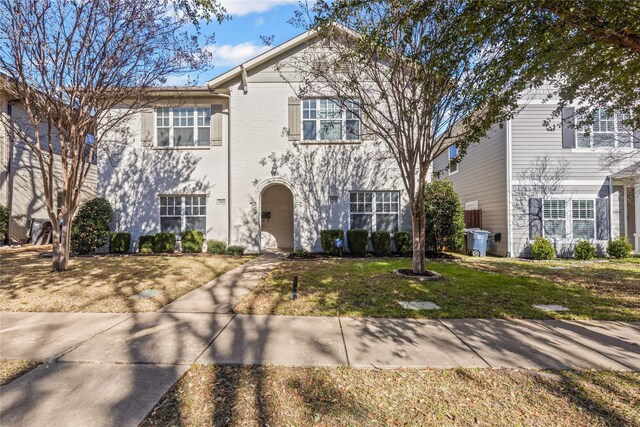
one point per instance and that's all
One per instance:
(602, 218)
(535, 218)
(568, 131)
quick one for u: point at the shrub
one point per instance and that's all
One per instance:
(620, 248)
(302, 253)
(216, 247)
(164, 243)
(358, 241)
(585, 250)
(403, 243)
(381, 241)
(542, 249)
(145, 244)
(4, 221)
(119, 243)
(192, 241)
(444, 217)
(235, 250)
(327, 237)
(90, 228)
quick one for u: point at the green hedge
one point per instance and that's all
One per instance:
(164, 243)
(327, 237)
(145, 244)
(192, 241)
(90, 227)
(403, 243)
(381, 241)
(358, 241)
(216, 247)
(235, 250)
(119, 243)
(542, 249)
(585, 250)
(4, 221)
(620, 248)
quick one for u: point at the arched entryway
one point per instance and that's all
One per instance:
(277, 217)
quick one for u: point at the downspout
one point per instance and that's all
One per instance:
(610, 208)
(509, 192)
(10, 142)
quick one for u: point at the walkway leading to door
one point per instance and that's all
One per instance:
(111, 369)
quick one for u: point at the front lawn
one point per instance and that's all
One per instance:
(12, 369)
(104, 284)
(474, 288)
(277, 396)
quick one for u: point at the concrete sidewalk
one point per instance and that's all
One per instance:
(111, 369)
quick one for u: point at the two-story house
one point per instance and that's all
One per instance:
(244, 160)
(525, 180)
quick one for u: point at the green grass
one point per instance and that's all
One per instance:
(278, 396)
(475, 288)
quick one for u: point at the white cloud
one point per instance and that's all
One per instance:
(228, 55)
(244, 7)
(260, 21)
(182, 80)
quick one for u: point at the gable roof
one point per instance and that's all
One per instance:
(236, 72)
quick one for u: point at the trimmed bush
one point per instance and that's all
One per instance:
(164, 243)
(216, 247)
(403, 243)
(327, 237)
(358, 241)
(192, 241)
(585, 250)
(620, 248)
(381, 241)
(301, 253)
(444, 217)
(4, 221)
(90, 227)
(145, 244)
(119, 243)
(235, 250)
(542, 249)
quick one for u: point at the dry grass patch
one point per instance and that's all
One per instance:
(102, 284)
(279, 396)
(12, 369)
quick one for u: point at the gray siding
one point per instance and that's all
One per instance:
(482, 177)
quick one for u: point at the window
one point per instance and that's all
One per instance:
(583, 217)
(325, 120)
(374, 211)
(453, 153)
(183, 126)
(554, 218)
(606, 132)
(180, 213)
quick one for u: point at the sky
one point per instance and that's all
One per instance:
(238, 39)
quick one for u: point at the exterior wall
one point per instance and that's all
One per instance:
(4, 153)
(133, 176)
(482, 177)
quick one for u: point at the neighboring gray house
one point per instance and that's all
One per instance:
(245, 161)
(524, 180)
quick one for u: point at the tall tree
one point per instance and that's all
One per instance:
(80, 68)
(420, 76)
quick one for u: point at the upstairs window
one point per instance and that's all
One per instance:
(453, 153)
(374, 211)
(181, 213)
(606, 132)
(183, 126)
(325, 120)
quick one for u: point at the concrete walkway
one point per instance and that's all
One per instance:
(111, 369)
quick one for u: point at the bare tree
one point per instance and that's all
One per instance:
(420, 76)
(79, 69)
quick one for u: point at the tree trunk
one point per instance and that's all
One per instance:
(419, 235)
(61, 245)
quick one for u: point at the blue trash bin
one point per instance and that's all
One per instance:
(477, 242)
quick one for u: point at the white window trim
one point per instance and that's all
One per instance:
(172, 145)
(344, 119)
(457, 165)
(628, 146)
(374, 212)
(570, 239)
(183, 216)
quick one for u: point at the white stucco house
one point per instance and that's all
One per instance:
(244, 160)
(524, 180)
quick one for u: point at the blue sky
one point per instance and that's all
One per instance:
(238, 39)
